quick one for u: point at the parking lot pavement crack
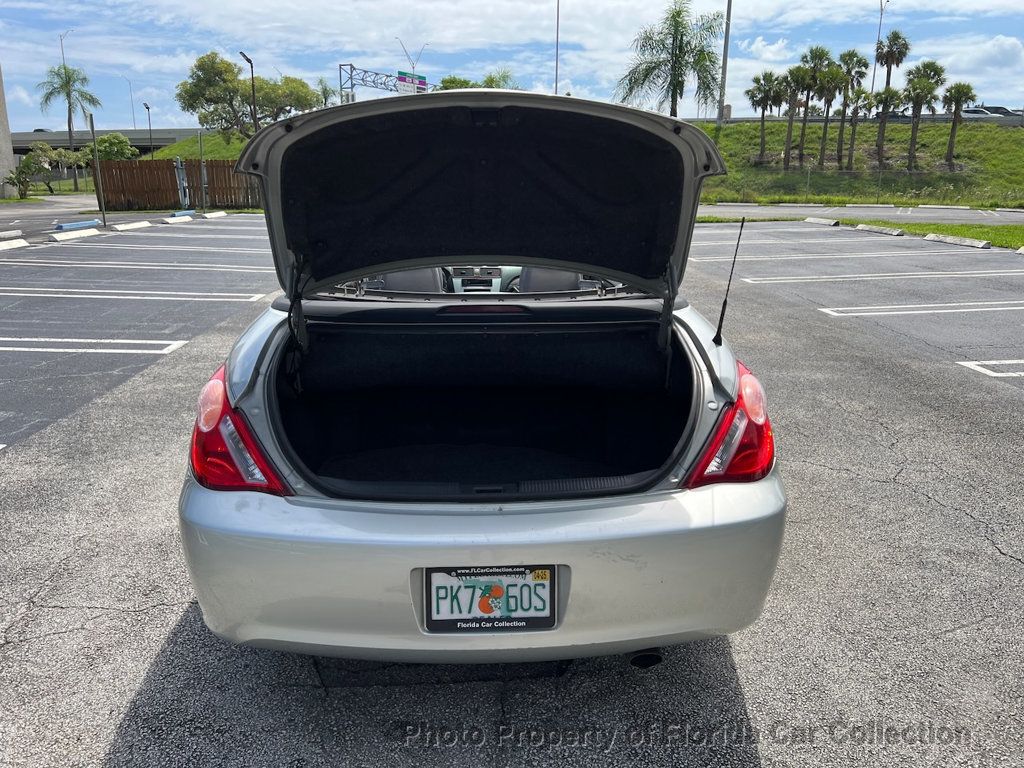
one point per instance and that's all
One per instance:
(114, 608)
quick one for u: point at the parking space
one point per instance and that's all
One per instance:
(76, 318)
(954, 303)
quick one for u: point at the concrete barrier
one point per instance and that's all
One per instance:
(800, 205)
(880, 230)
(176, 219)
(10, 233)
(826, 222)
(948, 207)
(59, 237)
(1010, 210)
(869, 205)
(72, 225)
(7, 245)
(131, 225)
(189, 212)
(219, 214)
(1021, 251)
(970, 242)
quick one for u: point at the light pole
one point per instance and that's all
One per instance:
(252, 82)
(149, 119)
(725, 70)
(131, 95)
(71, 127)
(558, 22)
(409, 58)
(63, 63)
(878, 39)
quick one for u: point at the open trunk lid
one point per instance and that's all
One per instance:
(473, 177)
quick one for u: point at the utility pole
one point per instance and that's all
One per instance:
(252, 82)
(131, 95)
(558, 22)
(725, 71)
(878, 39)
(71, 137)
(149, 119)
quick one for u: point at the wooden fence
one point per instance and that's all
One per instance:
(131, 185)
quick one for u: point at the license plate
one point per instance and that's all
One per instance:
(490, 599)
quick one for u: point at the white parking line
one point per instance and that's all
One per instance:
(164, 235)
(84, 293)
(159, 265)
(981, 366)
(925, 309)
(165, 347)
(882, 276)
(802, 256)
(128, 247)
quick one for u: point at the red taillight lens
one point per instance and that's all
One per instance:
(743, 447)
(225, 455)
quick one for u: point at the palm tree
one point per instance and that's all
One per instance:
(797, 79)
(67, 84)
(891, 52)
(921, 92)
(956, 97)
(325, 91)
(763, 96)
(816, 59)
(886, 99)
(859, 99)
(855, 68)
(830, 82)
(680, 48)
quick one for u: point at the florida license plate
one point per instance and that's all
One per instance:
(490, 599)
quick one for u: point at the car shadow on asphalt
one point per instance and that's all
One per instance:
(204, 702)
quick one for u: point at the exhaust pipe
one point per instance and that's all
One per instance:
(645, 659)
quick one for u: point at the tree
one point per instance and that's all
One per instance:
(32, 164)
(860, 99)
(887, 99)
(830, 82)
(111, 146)
(68, 84)
(499, 78)
(855, 69)
(326, 92)
(454, 82)
(797, 80)
(921, 92)
(816, 59)
(890, 53)
(669, 56)
(956, 97)
(766, 93)
(218, 95)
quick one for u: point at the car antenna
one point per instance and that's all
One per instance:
(725, 302)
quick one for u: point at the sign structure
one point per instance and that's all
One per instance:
(410, 82)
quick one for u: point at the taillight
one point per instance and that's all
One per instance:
(225, 455)
(743, 447)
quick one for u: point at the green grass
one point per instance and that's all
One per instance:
(12, 200)
(215, 147)
(62, 187)
(990, 162)
(1000, 235)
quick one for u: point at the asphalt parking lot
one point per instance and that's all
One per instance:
(892, 635)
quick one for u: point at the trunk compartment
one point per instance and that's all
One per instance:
(458, 411)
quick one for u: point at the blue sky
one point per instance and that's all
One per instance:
(154, 42)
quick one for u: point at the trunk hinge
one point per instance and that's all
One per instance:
(667, 307)
(296, 319)
(665, 327)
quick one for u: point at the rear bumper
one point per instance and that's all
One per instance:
(344, 578)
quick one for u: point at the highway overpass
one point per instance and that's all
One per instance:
(162, 137)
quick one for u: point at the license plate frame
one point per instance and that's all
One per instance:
(500, 619)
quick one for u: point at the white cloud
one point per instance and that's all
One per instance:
(761, 49)
(18, 95)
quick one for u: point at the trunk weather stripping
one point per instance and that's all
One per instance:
(296, 318)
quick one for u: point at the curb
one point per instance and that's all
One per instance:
(826, 222)
(968, 241)
(799, 205)
(948, 207)
(1010, 210)
(214, 214)
(8, 245)
(880, 230)
(869, 205)
(72, 225)
(176, 219)
(10, 233)
(59, 237)
(1021, 251)
(131, 225)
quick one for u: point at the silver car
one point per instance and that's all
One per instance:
(481, 424)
